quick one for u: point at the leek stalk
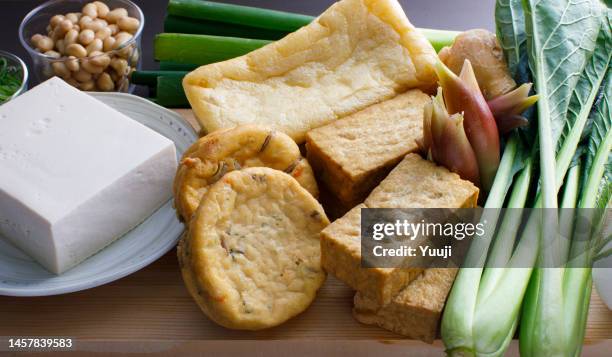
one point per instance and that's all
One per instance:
(213, 18)
(202, 49)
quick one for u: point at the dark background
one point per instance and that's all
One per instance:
(440, 14)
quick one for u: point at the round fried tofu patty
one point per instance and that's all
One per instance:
(220, 152)
(252, 257)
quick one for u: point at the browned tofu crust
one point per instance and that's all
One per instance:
(354, 154)
(416, 311)
(419, 183)
(414, 183)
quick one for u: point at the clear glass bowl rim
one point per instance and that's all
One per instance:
(25, 42)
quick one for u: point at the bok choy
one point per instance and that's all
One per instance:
(558, 38)
(574, 293)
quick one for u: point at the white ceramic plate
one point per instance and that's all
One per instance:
(21, 276)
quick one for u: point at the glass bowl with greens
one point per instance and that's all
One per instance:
(13, 76)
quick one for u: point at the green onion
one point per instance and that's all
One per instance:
(212, 18)
(170, 92)
(190, 49)
(178, 24)
(238, 15)
(185, 52)
(439, 38)
(165, 86)
(173, 66)
(149, 78)
(202, 49)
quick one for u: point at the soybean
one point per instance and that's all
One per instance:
(76, 50)
(121, 38)
(61, 47)
(91, 68)
(105, 82)
(84, 19)
(82, 76)
(55, 20)
(103, 33)
(94, 25)
(100, 59)
(119, 65)
(52, 54)
(64, 26)
(74, 17)
(60, 69)
(45, 44)
(114, 15)
(87, 86)
(71, 37)
(86, 37)
(109, 44)
(114, 29)
(128, 24)
(102, 9)
(72, 64)
(90, 10)
(35, 38)
(94, 46)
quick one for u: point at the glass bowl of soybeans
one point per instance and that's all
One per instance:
(92, 45)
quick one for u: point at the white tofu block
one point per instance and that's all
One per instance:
(75, 174)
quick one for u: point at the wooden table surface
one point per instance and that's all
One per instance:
(153, 304)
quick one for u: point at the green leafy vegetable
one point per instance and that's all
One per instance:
(10, 80)
(585, 93)
(571, 305)
(597, 161)
(510, 22)
(560, 39)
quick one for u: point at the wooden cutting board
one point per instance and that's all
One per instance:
(153, 304)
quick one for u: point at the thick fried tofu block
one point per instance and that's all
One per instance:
(419, 183)
(416, 311)
(354, 154)
(414, 183)
(357, 53)
(341, 257)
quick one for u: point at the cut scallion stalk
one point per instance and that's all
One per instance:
(149, 78)
(179, 24)
(212, 18)
(238, 14)
(173, 66)
(170, 92)
(202, 49)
